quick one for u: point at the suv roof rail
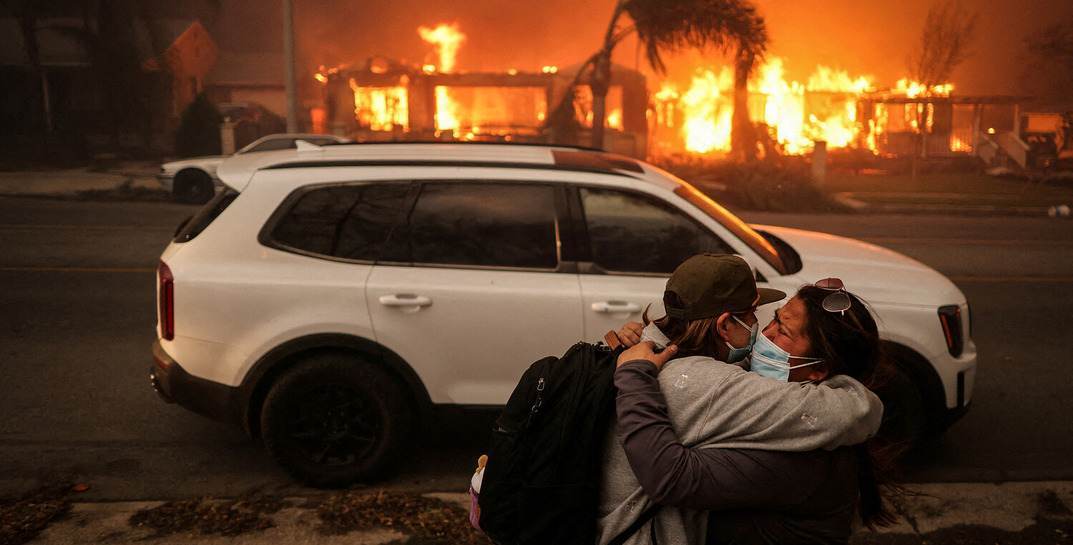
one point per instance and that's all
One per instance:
(236, 172)
(570, 160)
(470, 142)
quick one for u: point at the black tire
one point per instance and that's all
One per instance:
(333, 420)
(192, 187)
(905, 414)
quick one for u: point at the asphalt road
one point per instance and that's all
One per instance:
(77, 318)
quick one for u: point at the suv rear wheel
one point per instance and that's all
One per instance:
(332, 420)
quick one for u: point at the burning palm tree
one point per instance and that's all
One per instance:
(664, 26)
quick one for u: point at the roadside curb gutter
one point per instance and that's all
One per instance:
(73, 182)
(861, 205)
(931, 513)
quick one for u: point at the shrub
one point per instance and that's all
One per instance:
(778, 186)
(199, 129)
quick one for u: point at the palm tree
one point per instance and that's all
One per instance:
(665, 26)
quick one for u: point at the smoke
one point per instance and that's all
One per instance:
(499, 34)
(868, 38)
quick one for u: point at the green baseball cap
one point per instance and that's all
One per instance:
(708, 285)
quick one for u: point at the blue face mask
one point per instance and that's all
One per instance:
(739, 354)
(770, 361)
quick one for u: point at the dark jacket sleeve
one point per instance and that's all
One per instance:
(708, 479)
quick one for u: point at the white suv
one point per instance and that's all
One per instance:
(330, 297)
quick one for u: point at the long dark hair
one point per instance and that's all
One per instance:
(849, 345)
(692, 337)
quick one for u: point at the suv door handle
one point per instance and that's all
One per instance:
(405, 300)
(615, 307)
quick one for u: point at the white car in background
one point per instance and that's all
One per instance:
(331, 297)
(194, 180)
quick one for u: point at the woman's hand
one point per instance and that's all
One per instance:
(647, 351)
(630, 334)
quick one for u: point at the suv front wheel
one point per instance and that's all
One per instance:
(332, 420)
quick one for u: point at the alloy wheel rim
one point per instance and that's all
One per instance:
(333, 425)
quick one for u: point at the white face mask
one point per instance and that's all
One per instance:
(770, 361)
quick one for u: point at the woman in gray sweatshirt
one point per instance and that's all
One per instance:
(759, 495)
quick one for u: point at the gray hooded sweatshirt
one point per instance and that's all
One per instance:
(713, 404)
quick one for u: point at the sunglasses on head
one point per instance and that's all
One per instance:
(838, 300)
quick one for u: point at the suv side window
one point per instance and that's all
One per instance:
(351, 222)
(194, 225)
(631, 233)
(482, 224)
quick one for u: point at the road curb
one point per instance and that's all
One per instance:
(73, 183)
(858, 205)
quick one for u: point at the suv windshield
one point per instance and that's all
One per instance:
(734, 224)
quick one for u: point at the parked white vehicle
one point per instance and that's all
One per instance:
(194, 180)
(331, 297)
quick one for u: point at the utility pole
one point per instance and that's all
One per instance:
(288, 60)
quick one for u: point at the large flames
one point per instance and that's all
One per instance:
(381, 108)
(832, 105)
(447, 39)
(825, 108)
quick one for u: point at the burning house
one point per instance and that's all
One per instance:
(853, 113)
(385, 100)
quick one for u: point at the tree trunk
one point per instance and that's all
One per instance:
(600, 83)
(28, 28)
(742, 134)
(918, 141)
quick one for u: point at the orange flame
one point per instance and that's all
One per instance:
(914, 89)
(447, 39)
(708, 112)
(796, 114)
(381, 108)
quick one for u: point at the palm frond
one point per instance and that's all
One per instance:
(665, 26)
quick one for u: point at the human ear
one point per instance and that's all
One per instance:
(722, 326)
(818, 372)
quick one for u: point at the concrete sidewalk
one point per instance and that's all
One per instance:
(1036, 512)
(73, 182)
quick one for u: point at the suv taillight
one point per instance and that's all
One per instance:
(950, 318)
(167, 301)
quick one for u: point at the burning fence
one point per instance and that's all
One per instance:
(386, 100)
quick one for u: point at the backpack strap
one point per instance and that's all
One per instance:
(636, 525)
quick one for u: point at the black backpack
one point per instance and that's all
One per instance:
(542, 481)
